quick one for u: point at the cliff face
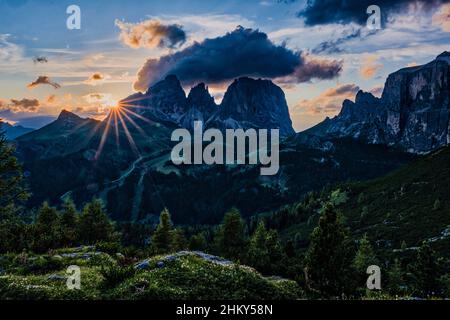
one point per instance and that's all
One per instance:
(413, 112)
(248, 103)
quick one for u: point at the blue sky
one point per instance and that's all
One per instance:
(413, 35)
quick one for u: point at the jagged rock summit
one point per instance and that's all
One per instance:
(413, 112)
(248, 103)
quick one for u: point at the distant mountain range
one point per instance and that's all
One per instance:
(13, 132)
(129, 166)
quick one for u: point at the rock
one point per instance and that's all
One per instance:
(160, 264)
(143, 265)
(413, 112)
(56, 277)
(250, 103)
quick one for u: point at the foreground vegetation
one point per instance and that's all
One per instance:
(318, 250)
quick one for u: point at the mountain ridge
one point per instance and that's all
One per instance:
(413, 112)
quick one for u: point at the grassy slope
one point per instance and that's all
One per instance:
(188, 277)
(398, 207)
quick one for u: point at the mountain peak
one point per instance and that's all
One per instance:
(257, 103)
(68, 115)
(444, 56)
(199, 97)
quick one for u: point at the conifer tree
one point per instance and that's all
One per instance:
(426, 272)
(162, 239)
(69, 223)
(13, 231)
(179, 241)
(47, 229)
(198, 242)
(94, 225)
(258, 254)
(365, 256)
(329, 258)
(230, 238)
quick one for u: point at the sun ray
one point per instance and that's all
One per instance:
(141, 131)
(116, 128)
(103, 138)
(138, 116)
(128, 135)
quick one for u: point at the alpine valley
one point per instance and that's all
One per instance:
(129, 166)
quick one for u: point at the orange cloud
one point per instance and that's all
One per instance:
(328, 102)
(43, 80)
(96, 78)
(370, 67)
(23, 105)
(442, 18)
(51, 99)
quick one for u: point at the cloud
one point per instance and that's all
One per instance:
(370, 67)
(10, 53)
(43, 80)
(313, 68)
(151, 34)
(103, 99)
(242, 52)
(442, 18)
(24, 105)
(51, 99)
(377, 91)
(40, 60)
(328, 102)
(96, 78)
(338, 11)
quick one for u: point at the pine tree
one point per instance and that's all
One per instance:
(426, 272)
(329, 270)
(69, 224)
(230, 238)
(47, 229)
(365, 256)
(258, 254)
(94, 225)
(12, 191)
(179, 241)
(162, 239)
(395, 278)
(14, 233)
(198, 242)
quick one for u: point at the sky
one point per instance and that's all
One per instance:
(319, 52)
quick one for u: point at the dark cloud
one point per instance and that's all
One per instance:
(43, 80)
(24, 105)
(338, 11)
(151, 34)
(335, 46)
(40, 60)
(313, 68)
(243, 52)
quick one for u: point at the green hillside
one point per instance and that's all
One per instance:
(405, 207)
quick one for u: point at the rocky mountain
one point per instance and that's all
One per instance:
(67, 134)
(248, 103)
(413, 112)
(13, 132)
